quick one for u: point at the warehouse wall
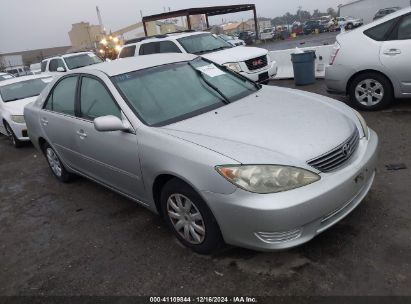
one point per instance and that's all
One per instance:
(366, 9)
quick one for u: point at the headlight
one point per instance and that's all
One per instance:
(363, 124)
(234, 66)
(266, 179)
(18, 119)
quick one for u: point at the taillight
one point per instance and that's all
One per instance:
(334, 53)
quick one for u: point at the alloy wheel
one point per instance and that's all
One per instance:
(186, 219)
(54, 162)
(369, 92)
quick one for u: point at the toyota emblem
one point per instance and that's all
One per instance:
(346, 150)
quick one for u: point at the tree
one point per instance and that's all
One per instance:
(331, 12)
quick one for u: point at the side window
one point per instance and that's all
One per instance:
(380, 32)
(43, 66)
(149, 48)
(56, 63)
(128, 51)
(404, 29)
(169, 47)
(62, 98)
(96, 101)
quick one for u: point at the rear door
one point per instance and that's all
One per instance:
(58, 120)
(395, 53)
(109, 157)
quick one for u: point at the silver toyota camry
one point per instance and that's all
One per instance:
(221, 158)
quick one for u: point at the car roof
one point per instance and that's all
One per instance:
(67, 55)
(131, 64)
(23, 78)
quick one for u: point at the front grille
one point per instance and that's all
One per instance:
(279, 237)
(338, 156)
(257, 63)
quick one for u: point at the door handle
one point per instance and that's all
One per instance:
(392, 52)
(44, 121)
(81, 134)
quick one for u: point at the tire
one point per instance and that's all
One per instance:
(370, 92)
(55, 164)
(349, 26)
(183, 222)
(13, 138)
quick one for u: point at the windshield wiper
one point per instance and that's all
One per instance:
(226, 100)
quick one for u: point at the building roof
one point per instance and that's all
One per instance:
(131, 64)
(231, 26)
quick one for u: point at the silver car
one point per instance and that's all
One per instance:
(221, 158)
(371, 63)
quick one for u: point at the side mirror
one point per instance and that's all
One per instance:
(109, 123)
(61, 69)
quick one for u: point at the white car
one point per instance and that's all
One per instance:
(68, 62)
(267, 34)
(5, 76)
(253, 63)
(372, 64)
(15, 94)
(234, 41)
(349, 22)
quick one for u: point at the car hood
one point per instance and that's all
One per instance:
(272, 126)
(235, 54)
(17, 107)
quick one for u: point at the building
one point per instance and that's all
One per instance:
(263, 23)
(84, 36)
(366, 9)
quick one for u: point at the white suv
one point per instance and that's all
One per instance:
(68, 62)
(254, 63)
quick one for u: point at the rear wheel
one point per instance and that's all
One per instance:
(13, 138)
(370, 91)
(189, 217)
(349, 26)
(55, 164)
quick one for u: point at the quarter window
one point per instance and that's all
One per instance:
(43, 66)
(128, 51)
(159, 47)
(62, 98)
(96, 101)
(55, 64)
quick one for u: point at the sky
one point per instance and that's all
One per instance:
(34, 24)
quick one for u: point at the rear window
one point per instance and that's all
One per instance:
(381, 31)
(128, 51)
(23, 89)
(159, 47)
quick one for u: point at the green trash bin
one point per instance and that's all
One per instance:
(304, 67)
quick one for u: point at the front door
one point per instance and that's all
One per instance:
(109, 157)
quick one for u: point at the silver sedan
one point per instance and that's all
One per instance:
(221, 158)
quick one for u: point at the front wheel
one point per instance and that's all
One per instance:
(13, 138)
(370, 92)
(349, 26)
(189, 217)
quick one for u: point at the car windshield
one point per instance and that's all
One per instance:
(174, 92)
(82, 60)
(23, 89)
(203, 43)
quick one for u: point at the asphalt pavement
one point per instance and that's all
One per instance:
(301, 41)
(81, 239)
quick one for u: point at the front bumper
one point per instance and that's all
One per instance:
(20, 130)
(288, 219)
(255, 75)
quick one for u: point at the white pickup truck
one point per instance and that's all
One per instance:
(254, 63)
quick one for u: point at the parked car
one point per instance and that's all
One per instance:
(247, 37)
(5, 76)
(267, 34)
(68, 62)
(251, 62)
(297, 29)
(15, 93)
(35, 69)
(371, 64)
(17, 71)
(385, 11)
(220, 157)
(349, 23)
(234, 41)
(312, 26)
